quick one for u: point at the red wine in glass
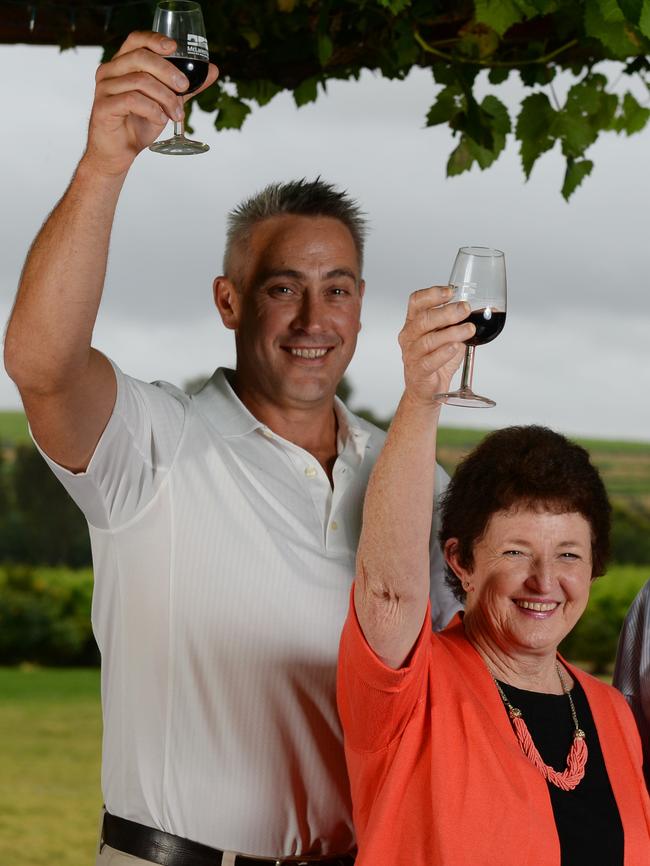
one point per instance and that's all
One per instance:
(488, 323)
(478, 277)
(182, 21)
(196, 71)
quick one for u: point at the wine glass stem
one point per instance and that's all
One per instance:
(179, 128)
(468, 370)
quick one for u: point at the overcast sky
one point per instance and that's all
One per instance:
(575, 352)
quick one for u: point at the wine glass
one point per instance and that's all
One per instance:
(182, 21)
(478, 277)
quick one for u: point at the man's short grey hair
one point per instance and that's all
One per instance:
(299, 198)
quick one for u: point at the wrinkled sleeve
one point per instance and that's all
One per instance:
(632, 671)
(133, 455)
(376, 702)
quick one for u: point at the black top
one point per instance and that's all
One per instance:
(586, 818)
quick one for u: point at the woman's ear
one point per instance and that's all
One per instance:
(451, 553)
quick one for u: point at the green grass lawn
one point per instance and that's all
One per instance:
(50, 741)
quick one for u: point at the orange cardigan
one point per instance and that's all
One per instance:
(437, 775)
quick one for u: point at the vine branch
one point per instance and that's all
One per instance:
(492, 64)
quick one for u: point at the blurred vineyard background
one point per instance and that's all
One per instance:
(50, 717)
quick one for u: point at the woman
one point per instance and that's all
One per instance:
(480, 745)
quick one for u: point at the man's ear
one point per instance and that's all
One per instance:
(228, 301)
(362, 288)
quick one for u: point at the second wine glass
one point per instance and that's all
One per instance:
(479, 278)
(182, 21)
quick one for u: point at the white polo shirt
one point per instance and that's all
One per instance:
(223, 562)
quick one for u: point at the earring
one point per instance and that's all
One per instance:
(466, 585)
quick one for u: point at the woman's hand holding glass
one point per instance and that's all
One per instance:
(432, 342)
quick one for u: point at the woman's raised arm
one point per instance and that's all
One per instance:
(392, 581)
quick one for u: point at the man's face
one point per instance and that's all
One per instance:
(297, 309)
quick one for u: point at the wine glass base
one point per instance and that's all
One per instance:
(178, 145)
(466, 397)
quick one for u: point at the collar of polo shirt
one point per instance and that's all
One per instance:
(224, 410)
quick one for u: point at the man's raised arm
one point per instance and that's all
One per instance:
(68, 388)
(392, 582)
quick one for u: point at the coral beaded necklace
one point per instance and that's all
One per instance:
(574, 772)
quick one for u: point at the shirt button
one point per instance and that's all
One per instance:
(266, 432)
(334, 525)
(310, 471)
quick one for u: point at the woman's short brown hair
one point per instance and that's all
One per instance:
(523, 467)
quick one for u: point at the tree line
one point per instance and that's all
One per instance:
(46, 575)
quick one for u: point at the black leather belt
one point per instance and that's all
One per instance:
(168, 850)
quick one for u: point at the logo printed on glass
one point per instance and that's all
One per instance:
(464, 291)
(197, 46)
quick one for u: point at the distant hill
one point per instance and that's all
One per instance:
(625, 466)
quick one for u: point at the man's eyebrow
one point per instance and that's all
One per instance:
(341, 272)
(272, 273)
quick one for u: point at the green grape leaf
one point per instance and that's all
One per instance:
(605, 22)
(478, 41)
(533, 128)
(460, 159)
(500, 15)
(536, 73)
(576, 172)
(603, 118)
(631, 9)
(449, 103)
(232, 112)
(443, 73)
(482, 155)
(575, 132)
(633, 116)
(584, 97)
(494, 114)
(403, 50)
(644, 19)
(498, 75)
(611, 10)
(325, 48)
(307, 91)
(261, 91)
(544, 7)
(251, 36)
(499, 113)
(589, 103)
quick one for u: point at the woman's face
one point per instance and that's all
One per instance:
(530, 580)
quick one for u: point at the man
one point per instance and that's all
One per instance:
(224, 527)
(632, 671)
